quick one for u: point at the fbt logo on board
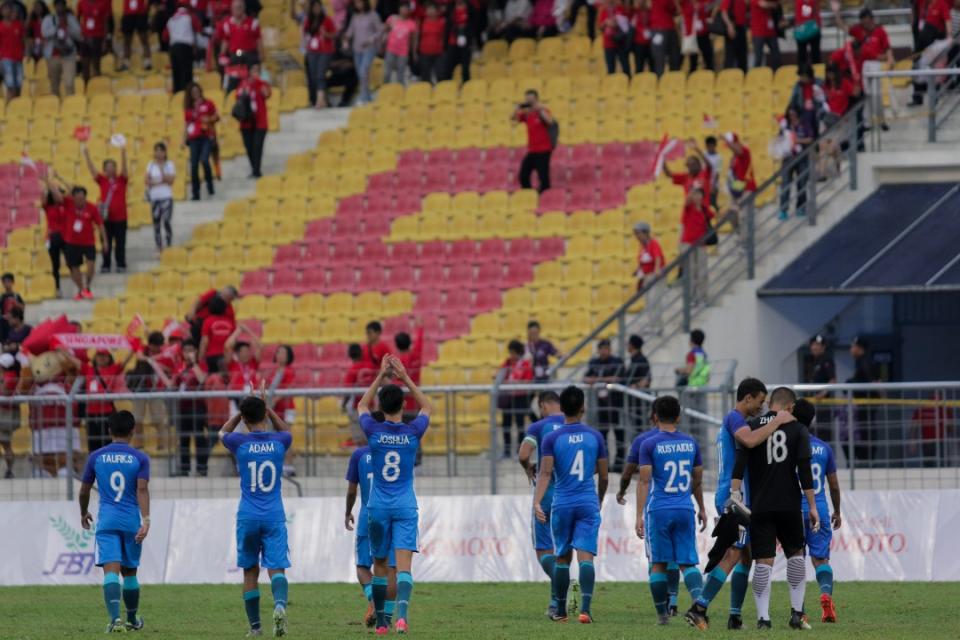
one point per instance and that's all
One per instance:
(74, 551)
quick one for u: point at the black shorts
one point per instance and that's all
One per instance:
(92, 47)
(75, 253)
(134, 22)
(766, 529)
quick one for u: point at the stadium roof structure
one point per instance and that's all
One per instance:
(901, 239)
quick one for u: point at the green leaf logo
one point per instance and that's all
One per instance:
(74, 540)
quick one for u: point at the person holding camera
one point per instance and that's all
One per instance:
(540, 142)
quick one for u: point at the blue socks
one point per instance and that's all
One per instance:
(548, 562)
(388, 607)
(279, 586)
(658, 589)
(588, 576)
(673, 582)
(111, 594)
(379, 587)
(825, 579)
(739, 581)
(131, 597)
(404, 591)
(251, 602)
(368, 591)
(561, 582)
(693, 580)
(715, 580)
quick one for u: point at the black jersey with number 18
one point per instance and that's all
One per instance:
(773, 466)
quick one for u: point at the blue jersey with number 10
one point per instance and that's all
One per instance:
(393, 446)
(360, 473)
(822, 464)
(116, 468)
(575, 449)
(672, 456)
(260, 464)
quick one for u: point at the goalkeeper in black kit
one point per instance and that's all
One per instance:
(775, 498)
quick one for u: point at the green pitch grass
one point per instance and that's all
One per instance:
(921, 611)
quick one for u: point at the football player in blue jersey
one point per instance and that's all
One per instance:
(671, 473)
(360, 475)
(261, 519)
(121, 474)
(392, 514)
(551, 420)
(823, 467)
(572, 455)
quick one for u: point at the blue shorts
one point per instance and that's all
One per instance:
(263, 543)
(365, 557)
(540, 531)
(118, 546)
(575, 527)
(818, 543)
(672, 536)
(12, 73)
(391, 529)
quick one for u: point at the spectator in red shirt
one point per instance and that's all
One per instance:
(740, 178)
(135, 20)
(696, 17)
(806, 15)
(616, 39)
(241, 43)
(538, 119)
(698, 174)
(459, 45)
(217, 327)
(734, 15)
(320, 34)
(642, 36)
(38, 12)
(650, 263)
(360, 375)
(113, 207)
(102, 376)
(94, 16)
(12, 47)
(192, 412)
(200, 116)
(664, 40)
(431, 45)
(542, 19)
(375, 350)
(763, 28)
(410, 352)
(242, 358)
(840, 92)
(874, 47)
(151, 374)
(82, 225)
(695, 224)
(56, 215)
(254, 129)
(200, 310)
(514, 404)
(284, 377)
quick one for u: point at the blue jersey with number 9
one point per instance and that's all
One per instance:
(393, 447)
(260, 463)
(575, 449)
(116, 468)
(673, 456)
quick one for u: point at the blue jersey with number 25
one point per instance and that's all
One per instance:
(575, 449)
(260, 464)
(393, 447)
(673, 456)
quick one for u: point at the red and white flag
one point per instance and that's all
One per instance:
(174, 328)
(667, 144)
(91, 341)
(135, 327)
(709, 122)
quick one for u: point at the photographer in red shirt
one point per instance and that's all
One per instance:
(539, 143)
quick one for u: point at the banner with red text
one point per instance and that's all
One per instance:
(885, 536)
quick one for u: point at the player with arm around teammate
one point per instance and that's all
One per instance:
(823, 469)
(551, 420)
(572, 455)
(261, 520)
(776, 514)
(392, 514)
(121, 474)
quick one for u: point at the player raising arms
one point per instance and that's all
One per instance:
(670, 463)
(123, 520)
(572, 455)
(392, 513)
(823, 468)
(360, 474)
(775, 505)
(751, 394)
(261, 520)
(552, 420)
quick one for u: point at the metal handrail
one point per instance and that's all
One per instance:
(650, 397)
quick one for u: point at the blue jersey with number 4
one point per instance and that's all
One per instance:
(673, 456)
(116, 468)
(537, 432)
(575, 449)
(727, 455)
(393, 447)
(822, 464)
(260, 463)
(360, 472)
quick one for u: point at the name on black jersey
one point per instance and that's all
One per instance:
(674, 447)
(117, 458)
(394, 439)
(266, 447)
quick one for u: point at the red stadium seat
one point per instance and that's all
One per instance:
(461, 273)
(404, 253)
(459, 299)
(433, 252)
(518, 274)
(487, 300)
(255, 282)
(289, 254)
(490, 272)
(454, 326)
(552, 200)
(285, 280)
(342, 279)
(429, 300)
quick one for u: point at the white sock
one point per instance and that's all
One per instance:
(797, 579)
(761, 590)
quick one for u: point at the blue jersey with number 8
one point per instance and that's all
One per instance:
(116, 468)
(260, 464)
(673, 456)
(393, 447)
(822, 464)
(360, 473)
(575, 448)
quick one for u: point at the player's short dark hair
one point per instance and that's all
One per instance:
(391, 399)
(636, 342)
(783, 395)
(402, 340)
(571, 401)
(804, 412)
(667, 409)
(548, 396)
(533, 324)
(354, 351)
(8, 276)
(121, 424)
(156, 339)
(374, 325)
(253, 410)
(750, 387)
(516, 347)
(710, 140)
(697, 336)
